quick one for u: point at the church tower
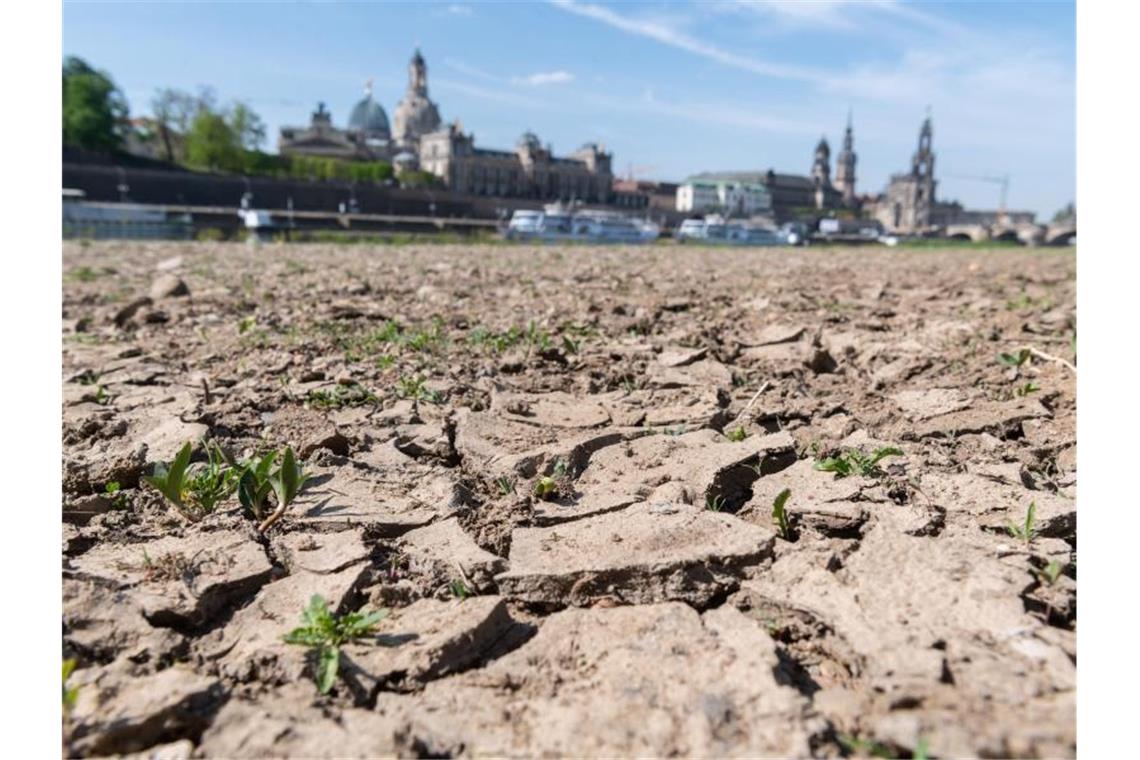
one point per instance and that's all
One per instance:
(821, 173)
(416, 115)
(922, 173)
(845, 166)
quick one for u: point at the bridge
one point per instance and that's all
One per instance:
(1057, 233)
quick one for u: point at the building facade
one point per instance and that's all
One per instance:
(908, 205)
(725, 195)
(529, 171)
(366, 139)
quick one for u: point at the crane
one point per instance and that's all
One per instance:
(1002, 180)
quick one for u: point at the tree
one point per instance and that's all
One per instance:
(247, 125)
(173, 112)
(1068, 212)
(94, 110)
(211, 143)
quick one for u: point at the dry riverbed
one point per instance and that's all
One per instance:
(647, 603)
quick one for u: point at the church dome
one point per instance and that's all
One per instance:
(368, 116)
(528, 140)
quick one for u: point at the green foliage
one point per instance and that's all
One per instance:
(506, 485)
(1050, 573)
(862, 746)
(325, 633)
(170, 480)
(114, 492)
(94, 109)
(714, 503)
(288, 480)
(414, 388)
(737, 434)
(780, 514)
(340, 396)
(212, 143)
(855, 462)
(546, 488)
(459, 589)
(1025, 390)
(254, 484)
(1026, 531)
(1015, 360)
(210, 235)
(418, 179)
(72, 693)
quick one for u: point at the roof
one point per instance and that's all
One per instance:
(369, 116)
(770, 178)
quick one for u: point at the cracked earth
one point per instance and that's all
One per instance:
(647, 603)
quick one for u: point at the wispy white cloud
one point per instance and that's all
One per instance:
(455, 9)
(544, 78)
(667, 34)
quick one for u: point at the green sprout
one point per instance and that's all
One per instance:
(714, 503)
(1018, 360)
(414, 388)
(1026, 530)
(780, 514)
(506, 485)
(114, 492)
(286, 482)
(246, 324)
(736, 435)
(353, 394)
(72, 693)
(855, 462)
(1050, 573)
(459, 589)
(254, 484)
(1025, 390)
(325, 633)
(212, 481)
(546, 488)
(865, 746)
(170, 479)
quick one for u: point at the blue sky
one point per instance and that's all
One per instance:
(670, 88)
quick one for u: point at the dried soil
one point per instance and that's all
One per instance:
(645, 603)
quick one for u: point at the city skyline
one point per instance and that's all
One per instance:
(671, 90)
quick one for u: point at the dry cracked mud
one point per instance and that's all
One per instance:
(555, 467)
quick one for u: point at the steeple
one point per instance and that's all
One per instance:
(845, 165)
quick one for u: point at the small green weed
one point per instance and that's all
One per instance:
(246, 324)
(115, 494)
(1018, 360)
(459, 589)
(353, 394)
(780, 514)
(1050, 573)
(505, 484)
(862, 746)
(415, 388)
(736, 434)
(1026, 531)
(254, 484)
(1028, 388)
(855, 462)
(546, 488)
(714, 503)
(324, 633)
(70, 694)
(286, 482)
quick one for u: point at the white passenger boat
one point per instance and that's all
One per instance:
(557, 223)
(714, 230)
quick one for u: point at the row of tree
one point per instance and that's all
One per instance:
(196, 131)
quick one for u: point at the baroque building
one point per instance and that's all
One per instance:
(908, 205)
(845, 167)
(529, 171)
(416, 114)
(366, 139)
